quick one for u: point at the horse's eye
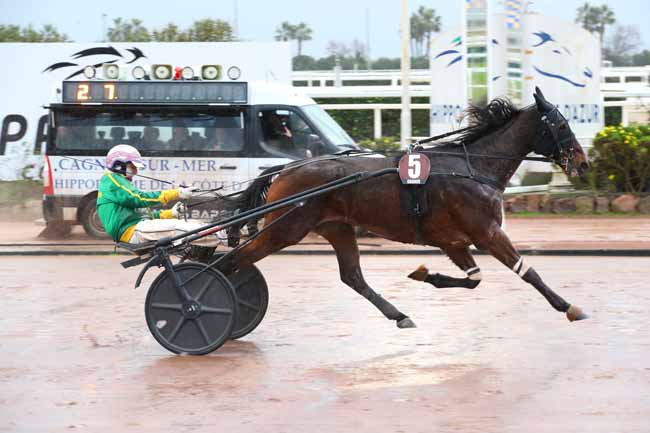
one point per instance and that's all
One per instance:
(563, 126)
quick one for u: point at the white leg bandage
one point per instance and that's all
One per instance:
(520, 268)
(474, 273)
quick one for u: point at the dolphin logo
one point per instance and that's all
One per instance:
(87, 54)
(457, 41)
(560, 70)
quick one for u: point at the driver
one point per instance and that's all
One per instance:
(118, 201)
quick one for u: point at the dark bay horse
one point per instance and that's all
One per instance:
(461, 211)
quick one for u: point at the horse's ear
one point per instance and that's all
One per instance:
(542, 104)
(539, 103)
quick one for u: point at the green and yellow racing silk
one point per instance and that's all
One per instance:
(118, 201)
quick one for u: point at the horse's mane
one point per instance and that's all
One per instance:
(486, 119)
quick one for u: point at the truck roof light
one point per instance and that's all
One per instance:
(162, 71)
(111, 71)
(138, 72)
(89, 72)
(187, 73)
(234, 73)
(211, 72)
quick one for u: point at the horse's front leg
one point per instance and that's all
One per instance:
(499, 245)
(462, 257)
(341, 236)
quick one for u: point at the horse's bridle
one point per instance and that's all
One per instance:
(554, 139)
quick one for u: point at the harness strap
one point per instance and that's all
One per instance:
(438, 137)
(469, 165)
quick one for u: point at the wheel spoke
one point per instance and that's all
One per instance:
(177, 328)
(248, 305)
(243, 282)
(222, 311)
(205, 288)
(163, 306)
(204, 332)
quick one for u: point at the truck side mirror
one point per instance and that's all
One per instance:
(315, 145)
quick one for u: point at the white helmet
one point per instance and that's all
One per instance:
(120, 155)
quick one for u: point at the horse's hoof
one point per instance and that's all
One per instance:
(574, 313)
(406, 323)
(420, 274)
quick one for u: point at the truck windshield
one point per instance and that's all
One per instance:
(324, 122)
(149, 131)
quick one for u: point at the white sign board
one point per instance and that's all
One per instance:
(559, 57)
(563, 60)
(33, 71)
(448, 81)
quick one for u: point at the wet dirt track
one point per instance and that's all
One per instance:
(76, 355)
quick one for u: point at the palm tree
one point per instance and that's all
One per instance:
(290, 32)
(286, 32)
(303, 33)
(424, 23)
(595, 18)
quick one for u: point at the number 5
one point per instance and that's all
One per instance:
(414, 166)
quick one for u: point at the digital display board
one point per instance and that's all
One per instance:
(155, 92)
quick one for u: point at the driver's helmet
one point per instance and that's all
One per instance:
(118, 157)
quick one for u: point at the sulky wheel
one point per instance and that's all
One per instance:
(252, 299)
(196, 326)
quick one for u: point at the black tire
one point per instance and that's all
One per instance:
(252, 299)
(90, 220)
(197, 327)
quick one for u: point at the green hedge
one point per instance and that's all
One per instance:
(360, 124)
(620, 160)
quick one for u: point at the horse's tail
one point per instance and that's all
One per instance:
(252, 197)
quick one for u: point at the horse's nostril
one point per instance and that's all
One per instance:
(584, 165)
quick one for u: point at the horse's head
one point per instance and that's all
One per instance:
(555, 140)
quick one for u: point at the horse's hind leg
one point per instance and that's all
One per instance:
(344, 241)
(462, 258)
(498, 244)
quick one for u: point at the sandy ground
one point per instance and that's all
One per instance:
(525, 233)
(76, 355)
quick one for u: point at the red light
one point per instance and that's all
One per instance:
(48, 185)
(177, 72)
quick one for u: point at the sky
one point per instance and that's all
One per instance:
(376, 21)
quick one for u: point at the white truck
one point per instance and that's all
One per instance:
(197, 125)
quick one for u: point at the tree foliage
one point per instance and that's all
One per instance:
(205, 30)
(300, 32)
(595, 19)
(170, 33)
(622, 45)
(641, 59)
(209, 30)
(424, 23)
(48, 33)
(128, 31)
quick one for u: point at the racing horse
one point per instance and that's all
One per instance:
(463, 196)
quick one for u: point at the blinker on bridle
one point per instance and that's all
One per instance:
(560, 147)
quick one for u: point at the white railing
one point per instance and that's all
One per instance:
(615, 82)
(631, 83)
